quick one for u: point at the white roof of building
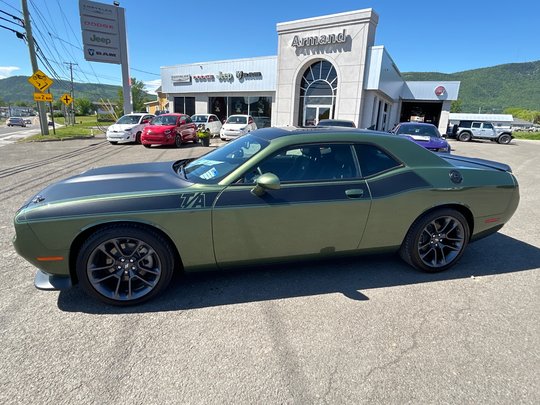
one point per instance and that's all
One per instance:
(481, 117)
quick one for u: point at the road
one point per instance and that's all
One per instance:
(10, 135)
(365, 330)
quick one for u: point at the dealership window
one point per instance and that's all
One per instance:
(184, 105)
(260, 108)
(318, 90)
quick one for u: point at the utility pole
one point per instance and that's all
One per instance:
(43, 122)
(72, 114)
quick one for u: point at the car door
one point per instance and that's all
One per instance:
(321, 207)
(488, 131)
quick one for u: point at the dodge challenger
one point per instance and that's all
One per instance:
(276, 194)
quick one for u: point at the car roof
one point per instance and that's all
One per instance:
(416, 123)
(278, 132)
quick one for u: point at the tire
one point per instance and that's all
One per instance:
(125, 265)
(147, 145)
(138, 138)
(113, 142)
(465, 137)
(504, 139)
(178, 141)
(436, 240)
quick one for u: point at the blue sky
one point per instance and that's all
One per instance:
(443, 36)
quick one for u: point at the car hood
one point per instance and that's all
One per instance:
(121, 127)
(157, 129)
(122, 180)
(234, 127)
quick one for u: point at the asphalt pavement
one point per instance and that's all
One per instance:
(364, 330)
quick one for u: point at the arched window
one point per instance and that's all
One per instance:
(318, 90)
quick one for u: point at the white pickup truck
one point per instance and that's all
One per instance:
(467, 130)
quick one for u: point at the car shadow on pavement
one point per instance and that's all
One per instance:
(353, 277)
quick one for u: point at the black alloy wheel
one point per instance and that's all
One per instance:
(125, 264)
(138, 138)
(436, 241)
(178, 141)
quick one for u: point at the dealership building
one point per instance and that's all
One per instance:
(326, 67)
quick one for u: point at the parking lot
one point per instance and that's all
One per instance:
(363, 330)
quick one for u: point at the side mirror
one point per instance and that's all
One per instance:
(267, 181)
(182, 122)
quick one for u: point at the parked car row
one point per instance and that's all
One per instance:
(176, 129)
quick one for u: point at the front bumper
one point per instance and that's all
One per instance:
(230, 135)
(119, 137)
(51, 282)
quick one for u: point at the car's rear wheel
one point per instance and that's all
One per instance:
(465, 137)
(178, 141)
(436, 241)
(504, 139)
(125, 264)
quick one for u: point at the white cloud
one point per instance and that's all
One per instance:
(151, 85)
(6, 71)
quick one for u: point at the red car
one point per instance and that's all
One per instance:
(169, 129)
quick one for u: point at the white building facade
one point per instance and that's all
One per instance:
(326, 67)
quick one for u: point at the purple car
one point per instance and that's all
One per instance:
(426, 135)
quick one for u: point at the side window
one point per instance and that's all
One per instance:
(465, 124)
(308, 163)
(487, 125)
(373, 160)
(476, 124)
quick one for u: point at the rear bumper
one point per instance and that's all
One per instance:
(50, 282)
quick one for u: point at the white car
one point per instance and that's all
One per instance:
(237, 125)
(128, 128)
(210, 121)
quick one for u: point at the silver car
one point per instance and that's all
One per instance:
(15, 122)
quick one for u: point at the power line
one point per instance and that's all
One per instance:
(10, 6)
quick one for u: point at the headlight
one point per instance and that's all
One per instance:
(128, 129)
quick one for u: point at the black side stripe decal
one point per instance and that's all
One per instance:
(396, 184)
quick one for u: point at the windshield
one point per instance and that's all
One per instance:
(129, 119)
(164, 120)
(423, 130)
(214, 166)
(199, 118)
(236, 119)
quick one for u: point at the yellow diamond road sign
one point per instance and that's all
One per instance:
(40, 80)
(66, 99)
(43, 97)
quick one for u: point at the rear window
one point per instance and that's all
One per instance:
(465, 124)
(374, 160)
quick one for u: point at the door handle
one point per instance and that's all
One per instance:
(354, 193)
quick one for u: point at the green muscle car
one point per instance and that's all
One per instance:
(275, 194)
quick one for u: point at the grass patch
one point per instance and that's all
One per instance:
(85, 127)
(535, 136)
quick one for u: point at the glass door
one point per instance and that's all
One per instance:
(314, 113)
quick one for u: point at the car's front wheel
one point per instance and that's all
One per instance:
(465, 137)
(504, 139)
(178, 141)
(138, 138)
(436, 241)
(113, 142)
(125, 264)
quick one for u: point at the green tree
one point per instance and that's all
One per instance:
(456, 107)
(22, 104)
(83, 106)
(138, 95)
